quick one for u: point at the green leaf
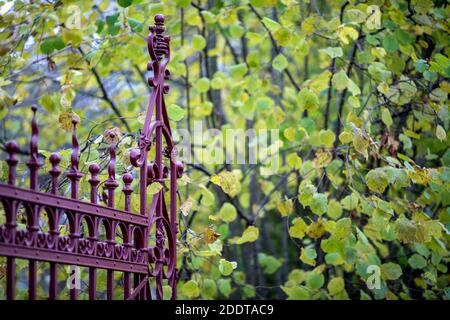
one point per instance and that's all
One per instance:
(386, 117)
(354, 102)
(112, 19)
(343, 228)
(225, 286)
(391, 271)
(440, 133)
(198, 42)
(236, 31)
(202, 85)
(308, 256)
(340, 80)
(175, 112)
(154, 188)
(190, 289)
(421, 65)
(327, 137)
(416, 261)
(306, 192)
(183, 3)
(307, 99)
(135, 25)
(280, 62)
(333, 52)
(334, 209)
(208, 197)
(296, 293)
(353, 88)
(269, 263)
(226, 267)
(319, 204)
(209, 288)
(377, 180)
(272, 25)
(47, 46)
(390, 43)
(124, 3)
(350, 202)
(336, 286)
(228, 212)
(167, 292)
(315, 281)
(345, 137)
(238, 71)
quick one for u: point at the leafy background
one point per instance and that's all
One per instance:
(362, 111)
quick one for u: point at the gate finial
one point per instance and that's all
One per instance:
(33, 163)
(12, 148)
(74, 175)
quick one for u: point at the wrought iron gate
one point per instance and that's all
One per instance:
(135, 258)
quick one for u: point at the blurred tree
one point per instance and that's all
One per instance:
(358, 90)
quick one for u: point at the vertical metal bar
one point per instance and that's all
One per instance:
(127, 190)
(126, 285)
(92, 283)
(136, 281)
(55, 159)
(32, 279)
(110, 284)
(12, 148)
(94, 169)
(143, 187)
(74, 175)
(111, 184)
(159, 29)
(33, 164)
(10, 278)
(53, 289)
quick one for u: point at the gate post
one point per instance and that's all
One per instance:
(165, 219)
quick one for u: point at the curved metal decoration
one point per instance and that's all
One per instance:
(156, 172)
(83, 244)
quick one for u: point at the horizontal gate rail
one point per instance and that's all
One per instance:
(82, 243)
(62, 203)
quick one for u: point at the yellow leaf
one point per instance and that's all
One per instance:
(345, 33)
(316, 229)
(228, 181)
(298, 228)
(250, 234)
(210, 235)
(322, 159)
(285, 207)
(65, 120)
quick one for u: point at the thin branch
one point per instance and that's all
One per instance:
(106, 96)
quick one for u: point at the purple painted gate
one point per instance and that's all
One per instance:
(134, 257)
